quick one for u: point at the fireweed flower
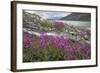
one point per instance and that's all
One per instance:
(79, 51)
(41, 44)
(42, 41)
(85, 49)
(27, 40)
(37, 37)
(59, 42)
(69, 54)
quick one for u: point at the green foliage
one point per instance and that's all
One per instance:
(43, 54)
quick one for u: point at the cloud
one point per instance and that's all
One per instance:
(49, 14)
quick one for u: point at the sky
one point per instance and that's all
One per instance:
(49, 14)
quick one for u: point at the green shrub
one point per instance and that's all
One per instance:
(43, 54)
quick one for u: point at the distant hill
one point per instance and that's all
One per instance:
(78, 17)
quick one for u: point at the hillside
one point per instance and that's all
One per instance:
(78, 17)
(35, 23)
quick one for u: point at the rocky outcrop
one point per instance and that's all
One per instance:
(34, 22)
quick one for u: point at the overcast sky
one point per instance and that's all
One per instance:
(49, 14)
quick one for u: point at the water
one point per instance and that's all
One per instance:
(81, 24)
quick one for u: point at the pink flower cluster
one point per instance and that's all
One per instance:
(80, 50)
